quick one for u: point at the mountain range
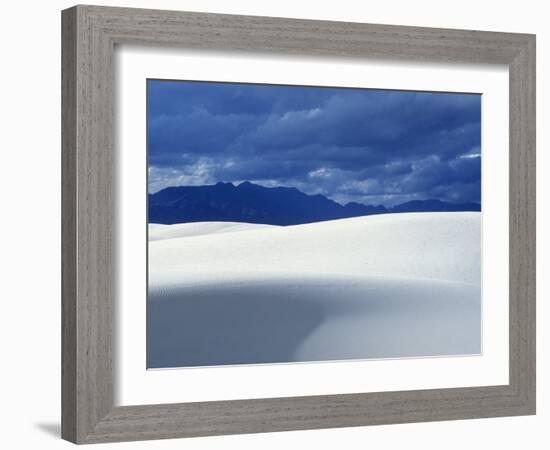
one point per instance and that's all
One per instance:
(252, 203)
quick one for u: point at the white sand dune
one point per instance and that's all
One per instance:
(369, 287)
(158, 231)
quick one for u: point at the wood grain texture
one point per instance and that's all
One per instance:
(523, 223)
(68, 226)
(89, 36)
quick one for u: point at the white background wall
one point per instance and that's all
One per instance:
(30, 223)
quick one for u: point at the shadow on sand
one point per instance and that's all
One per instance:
(228, 325)
(311, 319)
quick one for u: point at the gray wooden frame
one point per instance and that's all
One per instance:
(89, 36)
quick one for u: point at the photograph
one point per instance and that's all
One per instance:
(293, 224)
(295, 220)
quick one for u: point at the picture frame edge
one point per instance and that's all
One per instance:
(89, 34)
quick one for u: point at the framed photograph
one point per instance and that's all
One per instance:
(277, 224)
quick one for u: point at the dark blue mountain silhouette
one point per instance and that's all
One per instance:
(252, 203)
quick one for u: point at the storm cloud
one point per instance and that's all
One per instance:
(369, 146)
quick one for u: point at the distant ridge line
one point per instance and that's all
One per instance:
(253, 203)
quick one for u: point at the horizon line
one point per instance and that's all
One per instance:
(245, 182)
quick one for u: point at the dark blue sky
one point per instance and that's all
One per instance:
(369, 146)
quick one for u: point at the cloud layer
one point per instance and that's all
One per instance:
(369, 146)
